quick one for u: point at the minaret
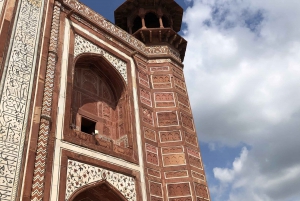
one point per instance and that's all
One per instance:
(173, 164)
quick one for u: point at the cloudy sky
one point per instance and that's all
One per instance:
(242, 68)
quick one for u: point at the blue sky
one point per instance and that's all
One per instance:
(242, 71)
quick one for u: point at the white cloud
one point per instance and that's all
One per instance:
(242, 68)
(228, 175)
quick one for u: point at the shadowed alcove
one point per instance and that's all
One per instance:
(102, 191)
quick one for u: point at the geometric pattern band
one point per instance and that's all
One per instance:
(15, 93)
(37, 191)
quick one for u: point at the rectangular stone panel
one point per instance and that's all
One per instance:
(201, 190)
(168, 118)
(145, 97)
(160, 68)
(195, 162)
(147, 116)
(143, 78)
(187, 121)
(198, 175)
(152, 158)
(176, 174)
(172, 150)
(164, 99)
(191, 138)
(179, 189)
(155, 188)
(154, 173)
(174, 159)
(183, 102)
(181, 199)
(180, 85)
(150, 134)
(161, 81)
(170, 136)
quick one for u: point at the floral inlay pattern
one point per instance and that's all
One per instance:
(81, 174)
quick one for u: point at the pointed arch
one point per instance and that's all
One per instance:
(97, 190)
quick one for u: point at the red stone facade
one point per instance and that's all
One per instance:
(103, 111)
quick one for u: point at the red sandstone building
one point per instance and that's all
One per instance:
(94, 111)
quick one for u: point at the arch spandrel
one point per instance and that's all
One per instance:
(82, 177)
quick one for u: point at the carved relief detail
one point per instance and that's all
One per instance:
(152, 158)
(180, 189)
(176, 174)
(155, 188)
(180, 85)
(193, 152)
(164, 99)
(172, 150)
(198, 175)
(201, 190)
(84, 46)
(80, 175)
(170, 136)
(150, 134)
(162, 68)
(191, 139)
(147, 116)
(146, 97)
(196, 162)
(187, 121)
(143, 78)
(174, 159)
(177, 71)
(156, 199)
(154, 173)
(165, 119)
(181, 199)
(161, 81)
(183, 103)
(141, 65)
(151, 148)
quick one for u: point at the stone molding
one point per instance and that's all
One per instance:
(80, 175)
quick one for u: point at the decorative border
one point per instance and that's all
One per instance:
(80, 175)
(15, 94)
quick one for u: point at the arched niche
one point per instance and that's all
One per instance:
(137, 24)
(99, 191)
(99, 100)
(151, 20)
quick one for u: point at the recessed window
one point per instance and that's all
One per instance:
(88, 126)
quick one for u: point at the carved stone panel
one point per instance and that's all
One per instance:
(178, 72)
(181, 199)
(198, 175)
(146, 97)
(153, 198)
(170, 136)
(161, 68)
(152, 158)
(164, 99)
(172, 150)
(196, 162)
(179, 85)
(154, 173)
(150, 134)
(193, 152)
(165, 119)
(201, 190)
(187, 121)
(179, 189)
(147, 116)
(183, 102)
(191, 139)
(176, 174)
(174, 159)
(143, 78)
(155, 188)
(161, 81)
(80, 175)
(143, 66)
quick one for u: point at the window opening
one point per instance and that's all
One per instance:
(88, 126)
(152, 21)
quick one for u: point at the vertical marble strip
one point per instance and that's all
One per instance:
(15, 93)
(1, 6)
(41, 154)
